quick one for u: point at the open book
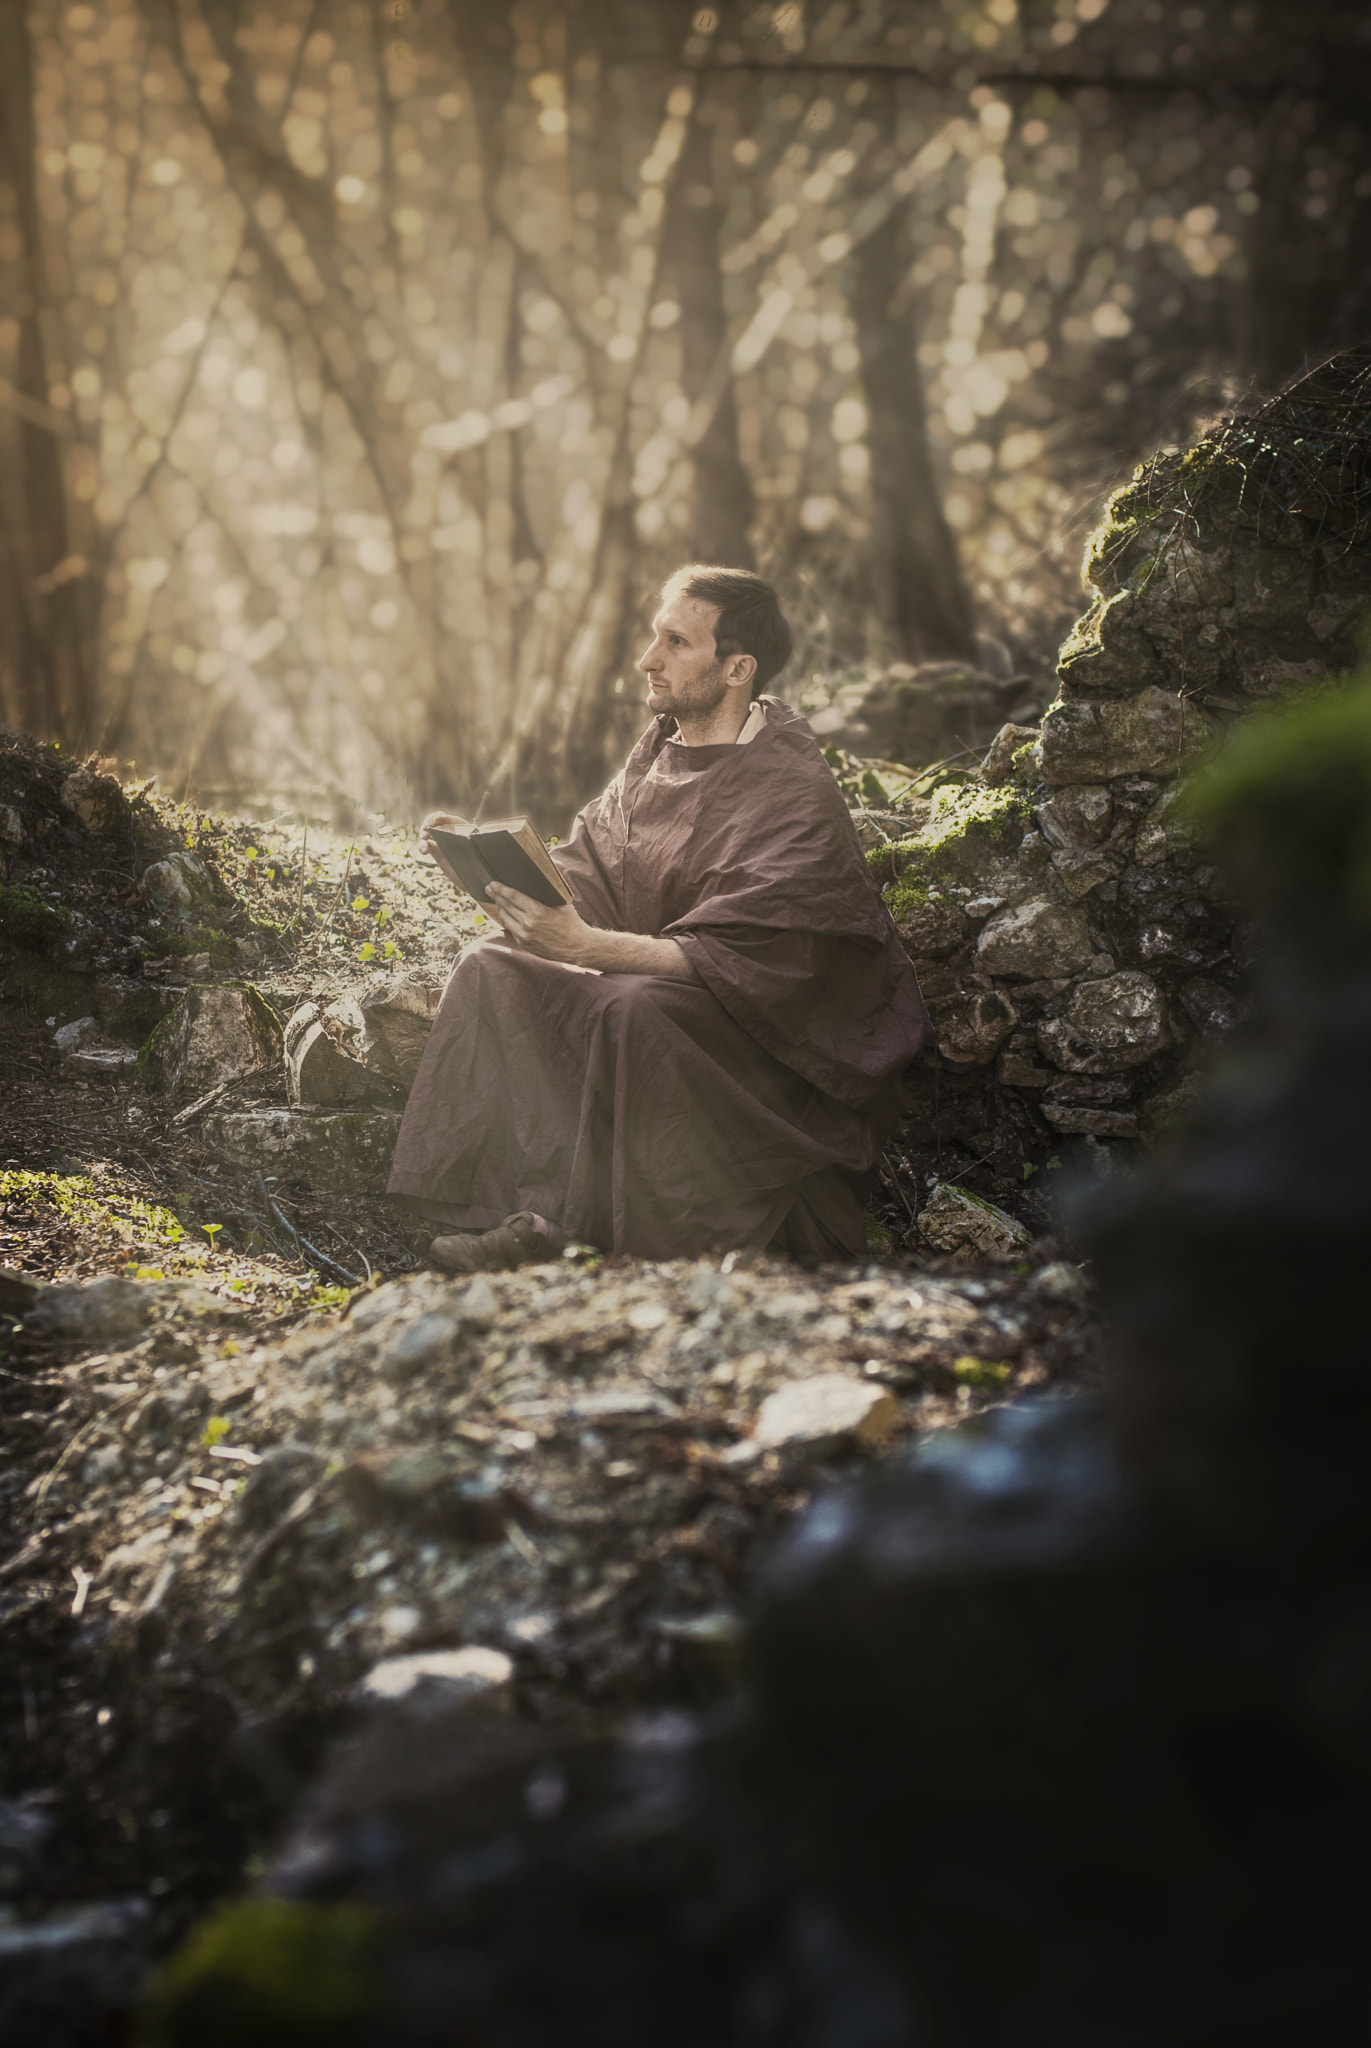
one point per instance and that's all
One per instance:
(506, 850)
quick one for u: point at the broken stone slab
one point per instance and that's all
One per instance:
(966, 1226)
(318, 1071)
(104, 1062)
(826, 1411)
(212, 1035)
(91, 1312)
(348, 1153)
(398, 1013)
(1109, 1025)
(1036, 941)
(472, 1672)
(1154, 732)
(971, 1027)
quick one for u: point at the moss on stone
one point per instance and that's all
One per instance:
(1288, 803)
(968, 821)
(281, 1973)
(28, 919)
(200, 938)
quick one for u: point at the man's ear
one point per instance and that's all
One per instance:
(741, 669)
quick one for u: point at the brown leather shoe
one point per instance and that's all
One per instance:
(515, 1242)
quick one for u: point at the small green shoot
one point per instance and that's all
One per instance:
(215, 1430)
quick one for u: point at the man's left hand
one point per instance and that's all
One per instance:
(553, 934)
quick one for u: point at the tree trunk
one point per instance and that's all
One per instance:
(920, 596)
(690, 265)
(45, 644)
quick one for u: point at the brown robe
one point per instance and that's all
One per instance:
(670, 1118)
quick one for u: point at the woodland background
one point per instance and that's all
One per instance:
(364, 364)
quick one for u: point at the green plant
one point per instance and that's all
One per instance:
(215, 1430)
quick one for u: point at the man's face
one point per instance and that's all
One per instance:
(683, 670)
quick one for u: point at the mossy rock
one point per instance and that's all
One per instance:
(213, 1034)
(279, 1973)
(968, 822)
(29, 920)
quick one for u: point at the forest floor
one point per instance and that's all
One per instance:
(241, 1486)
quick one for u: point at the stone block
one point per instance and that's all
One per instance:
(398, 1014)
(1079, 816)
(998, 764)
(966, 1226)
(971, 1027)
(213, 1034)
(1074, 1121)
(1036, 941)
(129, 1008)
(1154, 732)
(826, 1411)
(1109, 1025)
(349, 1154)
(933, 930)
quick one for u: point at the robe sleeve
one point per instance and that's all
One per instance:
(580, 866)
(844, 1013)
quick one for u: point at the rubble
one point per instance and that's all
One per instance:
(826, 1411)
(966, 1226)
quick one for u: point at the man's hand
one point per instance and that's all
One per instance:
(446, 821)
(558, 934)
(563, 935)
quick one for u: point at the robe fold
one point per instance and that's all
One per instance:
(670, 1118)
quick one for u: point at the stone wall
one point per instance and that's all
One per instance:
(1078, 951)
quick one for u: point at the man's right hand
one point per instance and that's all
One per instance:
(446, 821)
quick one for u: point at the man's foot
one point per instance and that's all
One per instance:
(518, 1241)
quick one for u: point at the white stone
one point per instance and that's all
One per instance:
(213, 1035)
(1036, 941)
(830, 1408)
(473, 1670)
(73, 1035)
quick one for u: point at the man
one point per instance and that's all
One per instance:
(703, 1050)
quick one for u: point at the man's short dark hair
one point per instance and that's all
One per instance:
(750, 618)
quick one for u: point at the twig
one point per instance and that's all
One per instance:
(183, 1116)
(303, 1244)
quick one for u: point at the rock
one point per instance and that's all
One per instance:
(825, 1411)
(286, 1471)
(1096, 1123)
(1165, 831)
(417, 1346)
(432, 1490)
(96, 1312)
(482, 1674)
(104, 1062)
(934, 929)
(17, 1292)
(1018, 1070)
(971, 1028)
(1036, 941)
(129, 1008)
(11, 825)
(1214, 1011)
(318, 1071)
(918, 714)
(398, 1013)
(965, 1226)
(176, 881)
(1111, 1024)
(98, 802)
(1077, 817)
(70, 1036)
(350, 1152)
(212, 1035)
(1164, 1114)
(1154, 732)
(998, 764)
(73, 1974)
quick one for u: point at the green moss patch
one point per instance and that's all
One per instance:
(108, 1219)
(281, 1973)
(968, 821)
(28, 919)
(1288, 803)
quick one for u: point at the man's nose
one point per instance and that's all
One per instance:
(650, 657)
